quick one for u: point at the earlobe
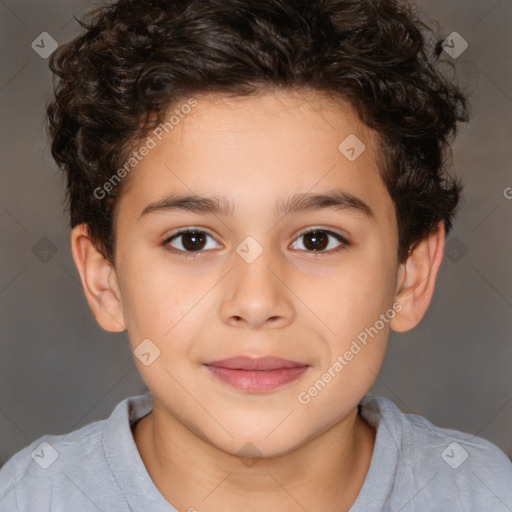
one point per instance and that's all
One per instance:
(99, 281)
(416, 281)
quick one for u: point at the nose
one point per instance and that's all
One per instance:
(257, 294)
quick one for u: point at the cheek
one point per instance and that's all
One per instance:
(160, 309)
(353, 297)
(155, 299)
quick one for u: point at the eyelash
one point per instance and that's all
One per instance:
(194, 254)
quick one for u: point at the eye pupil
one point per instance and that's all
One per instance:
(197, 238)
(319, 240)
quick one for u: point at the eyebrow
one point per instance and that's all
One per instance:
(298, 203)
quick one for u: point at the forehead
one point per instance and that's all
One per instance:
(258, 150)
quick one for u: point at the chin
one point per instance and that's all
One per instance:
(258, 444)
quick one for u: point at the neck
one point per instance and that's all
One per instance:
(325, 473)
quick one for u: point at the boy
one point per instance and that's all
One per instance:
(257, 195)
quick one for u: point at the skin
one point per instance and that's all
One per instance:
(289, 302)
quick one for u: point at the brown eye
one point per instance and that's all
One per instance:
(193, 240)
(317, 240)
(190, 240)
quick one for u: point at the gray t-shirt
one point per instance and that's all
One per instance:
(415, 467)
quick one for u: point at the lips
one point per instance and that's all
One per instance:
(261, 363)
(256, 374)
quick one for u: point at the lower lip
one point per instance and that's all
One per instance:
(247, 380)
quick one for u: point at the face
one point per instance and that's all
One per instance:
(257, 279)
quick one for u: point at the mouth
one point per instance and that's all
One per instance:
(256, 374)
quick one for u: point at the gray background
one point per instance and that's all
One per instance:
(60, 371)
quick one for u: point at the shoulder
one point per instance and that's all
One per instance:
(444, 463)
(29, 476)
(65, 468)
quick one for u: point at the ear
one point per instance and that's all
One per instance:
(417, 278)
(99, 281)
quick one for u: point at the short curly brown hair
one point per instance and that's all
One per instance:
(137, 58)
